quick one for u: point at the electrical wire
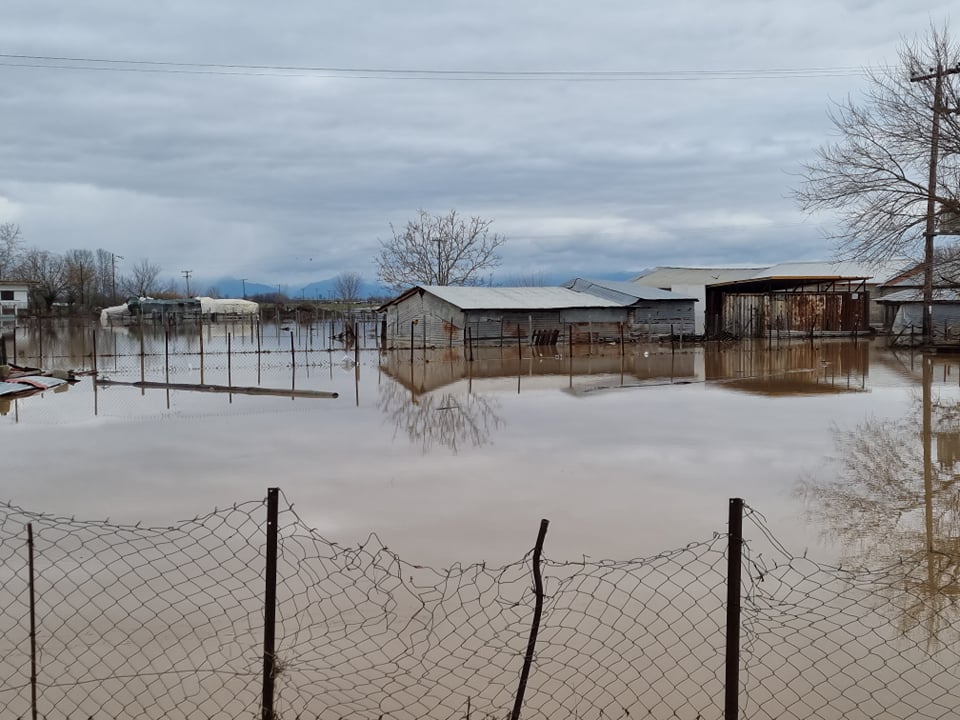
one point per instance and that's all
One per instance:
(96, 64)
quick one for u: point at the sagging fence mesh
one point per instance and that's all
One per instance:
(169, 623)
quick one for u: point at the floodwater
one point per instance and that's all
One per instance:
(450, 460)
(845, 450)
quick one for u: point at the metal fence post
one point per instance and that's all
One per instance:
(734, 555)
(270, 605)
(534, 629)
(33, 629)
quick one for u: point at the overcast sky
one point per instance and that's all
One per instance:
(293, 175)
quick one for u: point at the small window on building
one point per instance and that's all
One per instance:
(6, 295)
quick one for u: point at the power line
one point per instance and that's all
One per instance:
(57, 62)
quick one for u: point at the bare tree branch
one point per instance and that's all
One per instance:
(11, 249)
(46, 269)
(347, 286)
(875, 175)
(143, 280)
(439, 250)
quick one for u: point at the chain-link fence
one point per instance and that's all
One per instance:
(101, 620)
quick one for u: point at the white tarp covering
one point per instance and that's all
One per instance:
(115, 312)
(227, 306)
(208, 306)
(910, 316)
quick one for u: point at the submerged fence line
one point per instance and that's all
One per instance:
(246, 611)
(88, 345)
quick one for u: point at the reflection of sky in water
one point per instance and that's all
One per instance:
(618, 472)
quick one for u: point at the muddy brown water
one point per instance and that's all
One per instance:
(450, 460)
(846, 448)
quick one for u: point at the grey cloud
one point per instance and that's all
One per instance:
(250, 175)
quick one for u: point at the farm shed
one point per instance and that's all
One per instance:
(651, 312)
(790, 299)
(445, 316)
(905, 312)
(692, 282)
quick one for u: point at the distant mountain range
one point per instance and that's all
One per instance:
(327, 289)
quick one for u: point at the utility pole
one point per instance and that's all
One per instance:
(244, 281)
(931, 228)
(113, 258)
(186, 276)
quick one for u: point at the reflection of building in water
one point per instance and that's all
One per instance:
(800, 368)
(948, 448)
(444, 368)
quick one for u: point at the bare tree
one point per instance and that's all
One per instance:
(439, 250)
(877, 173)
(106, 267)
(11, 247)
(143, 280)
(46, 270)
(80, 271)
(347, 286)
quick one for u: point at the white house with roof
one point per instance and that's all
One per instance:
(14, 300)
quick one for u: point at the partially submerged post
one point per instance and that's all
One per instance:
(33, 628)
(270, 605)
(734, 552)
(535, 626)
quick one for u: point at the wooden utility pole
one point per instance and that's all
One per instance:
(931, 228)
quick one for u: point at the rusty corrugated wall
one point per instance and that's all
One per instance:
(801, 313)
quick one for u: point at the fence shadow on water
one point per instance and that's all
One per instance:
(169, 622)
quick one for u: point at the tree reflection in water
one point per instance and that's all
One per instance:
(892, 505)
(444, 419)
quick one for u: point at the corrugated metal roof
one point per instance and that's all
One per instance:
(817, 270)
(625, 292)
(913, 275)
(674, 276)
(29, 383)
(516, 298)
(944, 295)
(662, 277)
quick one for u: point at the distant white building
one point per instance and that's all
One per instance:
(14, 300)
